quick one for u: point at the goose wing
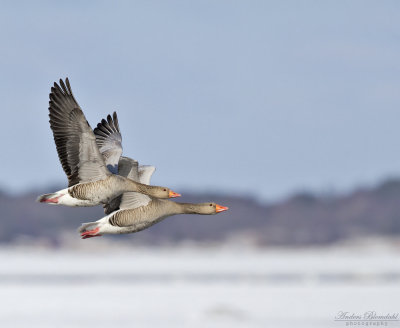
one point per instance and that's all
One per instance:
(145, 173)
(109, 141)
(132, 200)
(129, 168)
(74, 138)
(135, 199)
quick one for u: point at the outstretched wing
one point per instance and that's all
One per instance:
(109, 141)
(74, 138)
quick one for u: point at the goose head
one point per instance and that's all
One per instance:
(204, 208)
(163, 192)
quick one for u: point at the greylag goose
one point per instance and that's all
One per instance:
(90, 182)
(137, 211)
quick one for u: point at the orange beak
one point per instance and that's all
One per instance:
(220, 208)
(173, 194)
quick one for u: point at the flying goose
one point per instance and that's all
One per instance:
(90, 182)
(136, 212)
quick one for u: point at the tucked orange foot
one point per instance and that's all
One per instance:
(50, 200)
(90, 233)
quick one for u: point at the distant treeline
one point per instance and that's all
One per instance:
(303, 219)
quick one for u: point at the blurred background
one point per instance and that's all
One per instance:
(285, 111)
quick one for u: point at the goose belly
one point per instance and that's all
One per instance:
(64, 198)
(131, 220)
(95, 192)
(68, 200)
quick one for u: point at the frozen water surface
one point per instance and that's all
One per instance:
(191, 287)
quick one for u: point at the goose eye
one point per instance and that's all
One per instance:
(165, 189)
(210, 204)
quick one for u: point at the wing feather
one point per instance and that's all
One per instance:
(109, 141)
(145, 173)
(128, 167)
(74, 139)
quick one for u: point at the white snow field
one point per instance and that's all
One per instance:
(196, 287)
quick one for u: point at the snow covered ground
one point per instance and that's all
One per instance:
(196, 287)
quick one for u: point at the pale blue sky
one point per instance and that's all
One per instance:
(257, 97)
